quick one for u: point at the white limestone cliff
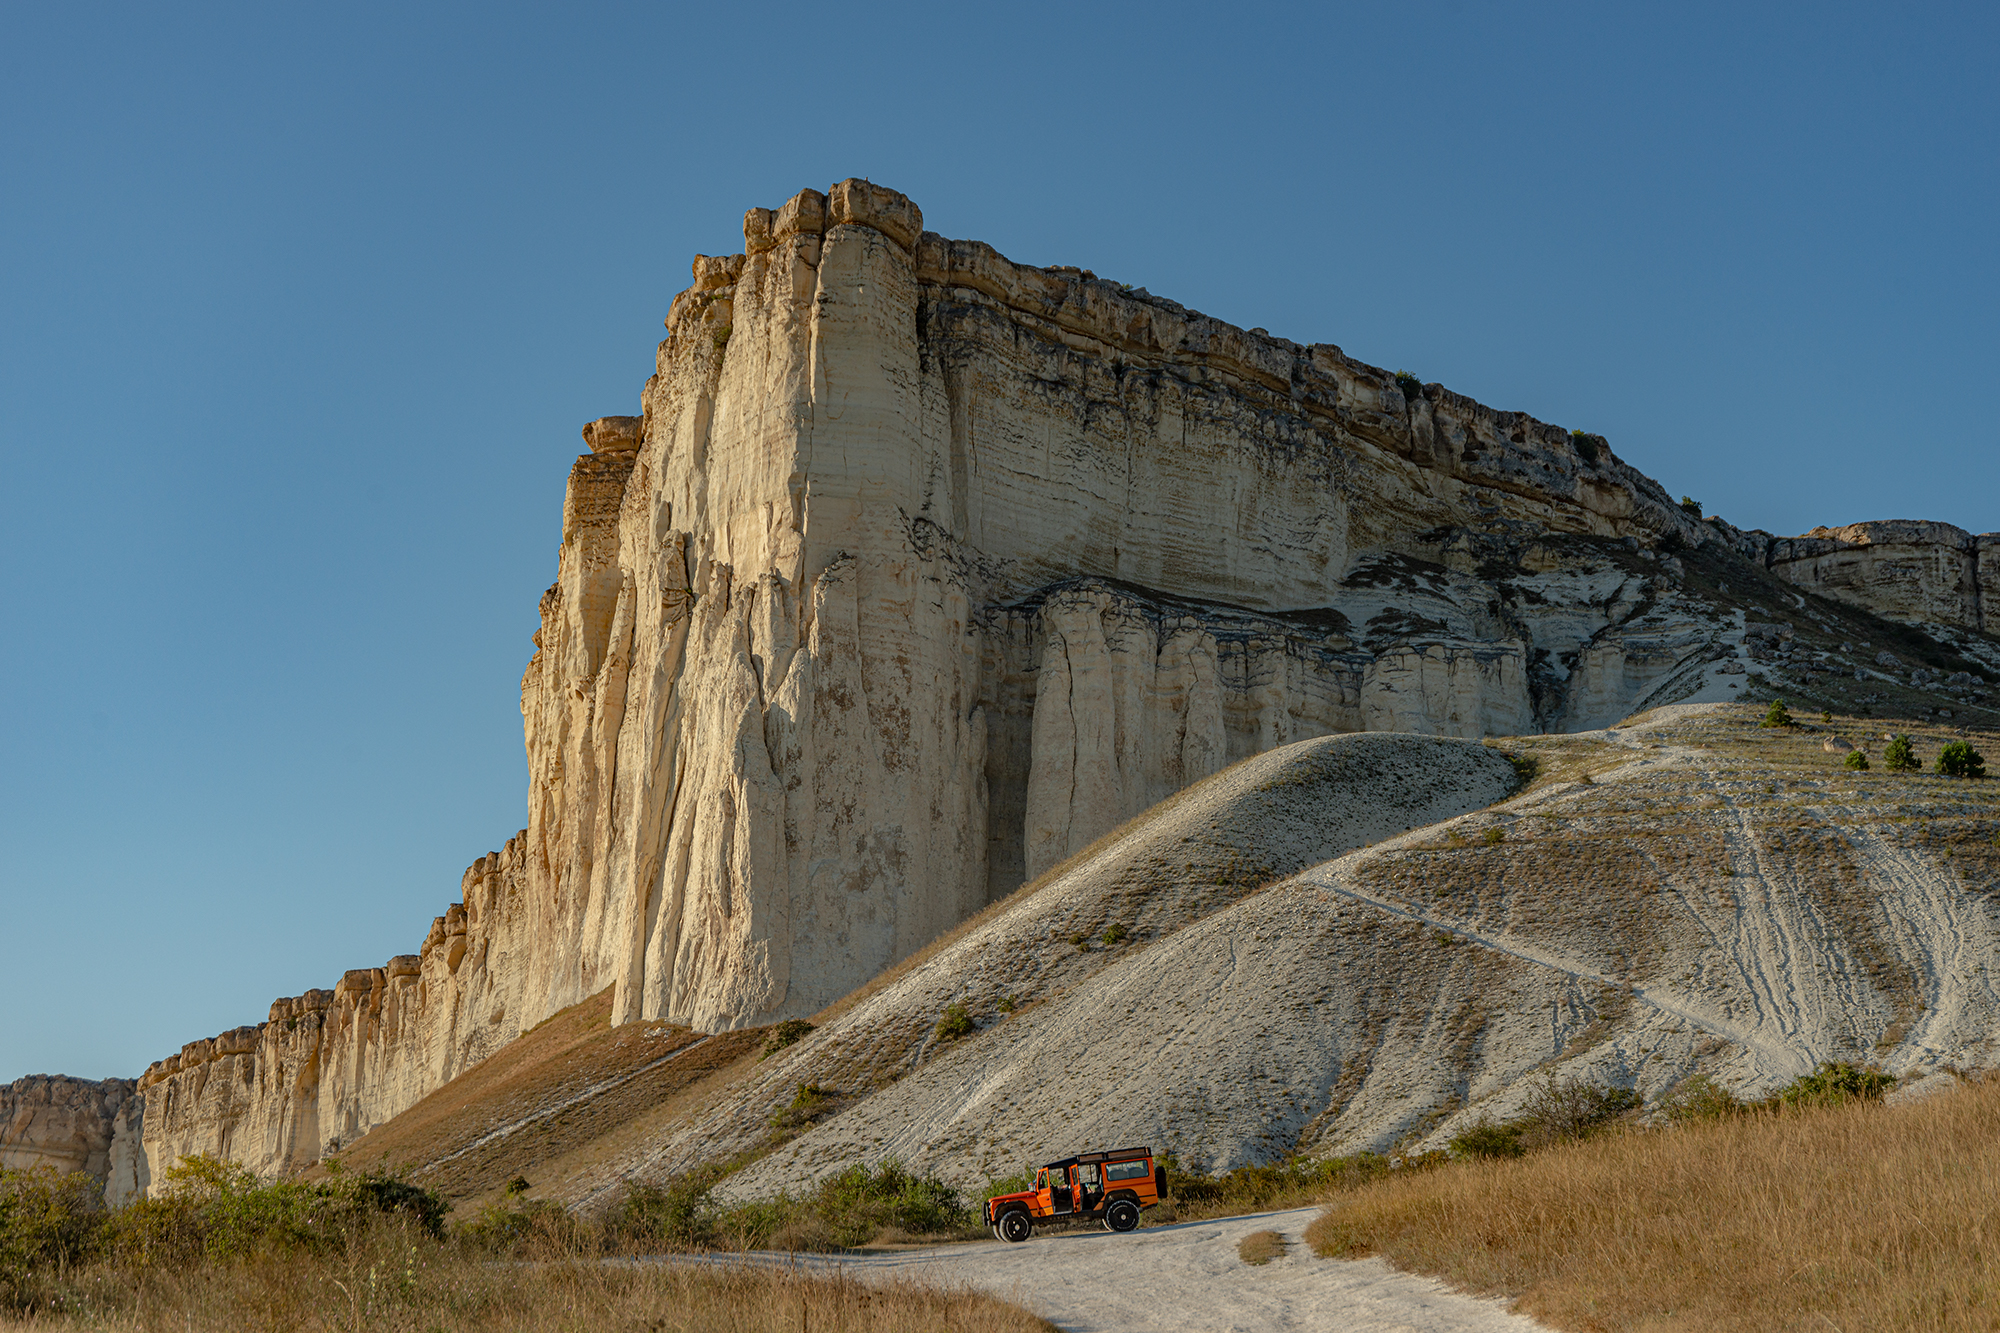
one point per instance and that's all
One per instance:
(918, 571)
(63, 1124)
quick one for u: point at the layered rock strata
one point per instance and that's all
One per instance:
(918, 571)
(1913, 571)
(68, 1124)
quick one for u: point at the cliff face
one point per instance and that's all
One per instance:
(1904, 570)
(73, 1124)
(919, 571)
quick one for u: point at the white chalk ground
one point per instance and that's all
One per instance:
(1185, 1278)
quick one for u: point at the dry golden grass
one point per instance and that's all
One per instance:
(1260, 1247)
(1853, 1217)
(424, 1288)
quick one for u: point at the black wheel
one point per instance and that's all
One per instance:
(1014, 1227)
(1122, 1215)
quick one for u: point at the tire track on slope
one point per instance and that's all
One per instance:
(1779, 1056)
(1931, 910)
(1769, 944)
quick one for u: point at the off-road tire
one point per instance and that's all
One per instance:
(1014, 1227)
(1122, 1215)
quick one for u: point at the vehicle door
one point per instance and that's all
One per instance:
(1061, 1192)
(1089, 1188)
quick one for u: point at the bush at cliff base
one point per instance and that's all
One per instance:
(848, 1208)
(48, 1224)
(208, 1211)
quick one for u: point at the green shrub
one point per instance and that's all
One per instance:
(1113, 933)
(1691, 506)
(1777, 715)
(787, 1033)
(1899, 757)
(1856, 760)
(810, 1105)
(1487, 1139)
(1571, 1109)
(1008, 1004)
(1699, 1098)
(1959, 760)
(49, 1223)
(1253, 1188)
(856, 1204)
(1081, 941)
(1833, 1083)
(1556, 1110)
(957, 1022)
(1585, 446)
(218, 1211)
(1411, 386)
(1495, 836)
(679, 1214)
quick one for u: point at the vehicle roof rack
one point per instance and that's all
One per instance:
(1108, 1155)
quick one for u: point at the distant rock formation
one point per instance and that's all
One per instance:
(74, 1124)
(919, 571)
(1912, 571)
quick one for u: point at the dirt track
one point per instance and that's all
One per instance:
(1186, 1278)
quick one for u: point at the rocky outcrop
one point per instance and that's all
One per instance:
(1904, 570)
(71, 1124)
(918, 571)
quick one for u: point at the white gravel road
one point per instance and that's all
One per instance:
(1187, 1278)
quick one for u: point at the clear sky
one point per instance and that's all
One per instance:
(302, 307)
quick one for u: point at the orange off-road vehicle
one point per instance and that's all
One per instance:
(1109, 1186)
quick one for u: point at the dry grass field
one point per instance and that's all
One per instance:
(1853, 1217)
(423, 1288)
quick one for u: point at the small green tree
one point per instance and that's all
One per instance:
(1960, 760)
(1411, 386)
(1777, 716)
(1857, 760)
(1691, 505)
(1898, 757)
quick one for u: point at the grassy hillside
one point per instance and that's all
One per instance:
(1853, 1217)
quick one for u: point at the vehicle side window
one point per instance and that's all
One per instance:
(1128, 1171)
(1086, 1176)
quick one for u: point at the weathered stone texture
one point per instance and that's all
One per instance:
(1901, 569)
(918, 571)
(73, 1124)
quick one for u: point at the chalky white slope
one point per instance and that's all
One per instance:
(1717, 900)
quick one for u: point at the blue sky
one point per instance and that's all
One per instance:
(302, 307)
